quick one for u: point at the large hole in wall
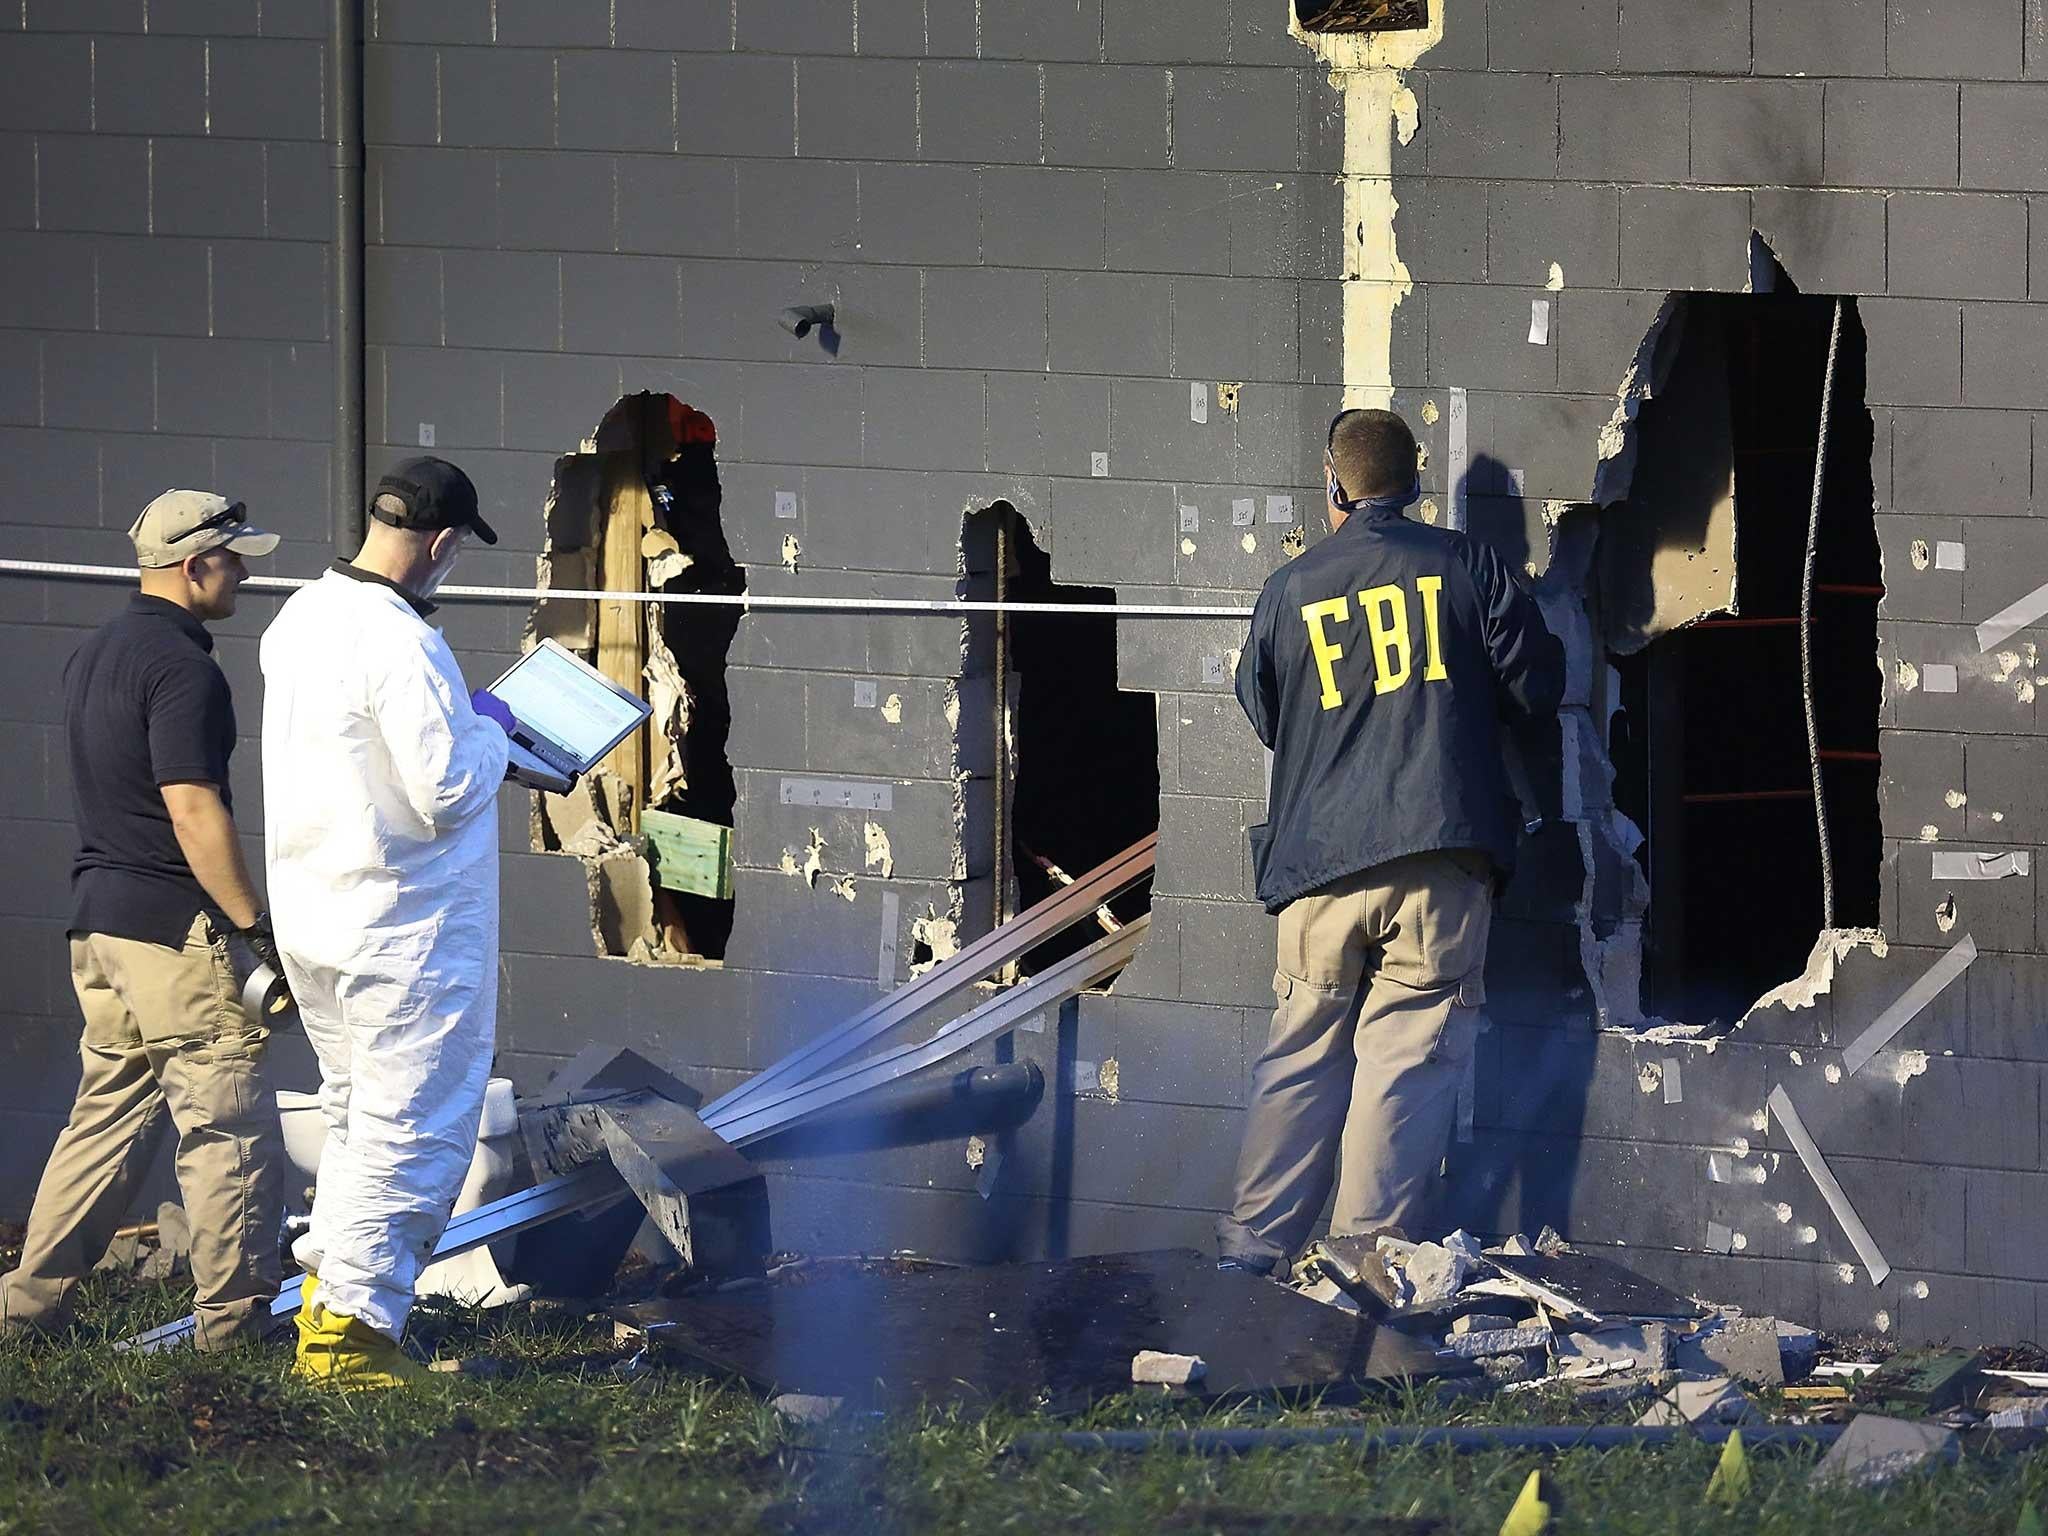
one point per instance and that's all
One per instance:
(1707, 730)
(637, 509)
(1079, 757)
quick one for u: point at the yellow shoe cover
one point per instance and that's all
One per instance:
(350, 1356)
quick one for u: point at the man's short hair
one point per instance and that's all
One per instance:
(1374, 452)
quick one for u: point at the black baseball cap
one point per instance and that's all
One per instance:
(436, 495)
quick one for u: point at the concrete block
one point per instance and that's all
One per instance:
(1648, 1345)
(201, 187)
(1036, 217)
(554, 23)
(1999, 914)
(1202, 848)
(57, 475)
(818, 409)
(1036, 422)
(1914, 351)
(1920, 770)
(893, 32)
(1550, 440)
(1109, 322)
(301, 391)
(976, 112)
(1168, 1053)
(1891, 134)
(1200, 34)
(826, 26)
(857, 109)
(1967, 461)
(1632, 129)
(1531, 225)
(1982, 701)
(51, 280)
(668, 205)
(402, 95)
(432, 21)
(1667, 37)
(1493, 125)
(624, 305)
(498, 98)
(53, 75)
(1480, 339)
(1957, 247)
(146, 85)
(2006, 995)
(508, 299)
(1236, 119)
(1915, 588)
(549, 201)
(614, 100)
(1597, 332)
(153, 287)
(296, 200)
(1218, 753)
(444, 197)
(1875, 1450)
(1112, 531)
(917, 418)
(1580, 37)
(1830, 242)
(136, 467)
(1152, 438)
(799, 209)
(986, 317)
(1239, 329)
(921, 214)
(1823, 37)
(21, 379)
(674, 25)
(456, 391)
(1166, 221)
(103, 381)
(1021, 29)
(274, 290)
(2038, 258)
(2001, 768)
(2003, 363)
(1679, 239)
(1757, 132)
(267, 88)
(1964, 40)
(93, 183)
(555, 400)
(1285, 226)
(1107, 115)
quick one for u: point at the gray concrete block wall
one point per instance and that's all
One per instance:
(1041, 229)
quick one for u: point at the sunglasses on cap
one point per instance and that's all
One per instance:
(228, 517)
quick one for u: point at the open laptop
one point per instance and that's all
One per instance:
(569, 714)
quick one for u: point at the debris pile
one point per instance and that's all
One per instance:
(1543, 1314)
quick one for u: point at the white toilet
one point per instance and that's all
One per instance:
(471, 1277)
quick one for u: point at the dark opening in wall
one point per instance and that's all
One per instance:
(1710, 746)
(638, 510)
(1361, 15)
(1079, 755)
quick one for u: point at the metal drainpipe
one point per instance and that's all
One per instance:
(345, 143)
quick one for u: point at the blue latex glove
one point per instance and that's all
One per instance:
(491, 707)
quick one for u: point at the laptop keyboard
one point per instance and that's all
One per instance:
(553, 756)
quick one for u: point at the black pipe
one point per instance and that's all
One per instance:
(1461, 1438)
(920, 1109)
(345, 147)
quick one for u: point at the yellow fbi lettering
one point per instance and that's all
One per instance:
(1385, 611)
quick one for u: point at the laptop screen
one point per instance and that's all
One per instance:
(555, 698)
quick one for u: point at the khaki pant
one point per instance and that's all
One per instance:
(1379, 983)
(165, 1040)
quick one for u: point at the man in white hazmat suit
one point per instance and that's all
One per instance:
(380, 781)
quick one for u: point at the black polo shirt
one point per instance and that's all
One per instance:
(145, 705)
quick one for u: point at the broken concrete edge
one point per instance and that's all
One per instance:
(1464, 1438)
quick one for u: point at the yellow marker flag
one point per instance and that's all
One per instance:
(1730, 1483)
(2030, 1522)
(1531, 1511)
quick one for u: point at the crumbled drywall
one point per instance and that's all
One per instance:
(1645, 375)
(877, 855)
(1813, 983)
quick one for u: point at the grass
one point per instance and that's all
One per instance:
(92, 1440)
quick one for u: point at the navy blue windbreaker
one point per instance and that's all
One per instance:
(1380, 665)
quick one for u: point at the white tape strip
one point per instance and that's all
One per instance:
(1938, 677)
(1830, 1188)
(2009, 621)
(692, 599)
(1948, 555)
(885, 960)
(1674, 1084)
(1539, 322)
(1908, 1005)
(1982, 866)
(1460, 466)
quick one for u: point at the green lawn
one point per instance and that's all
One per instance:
(91, 1440)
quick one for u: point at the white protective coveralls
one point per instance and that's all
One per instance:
(380, 791)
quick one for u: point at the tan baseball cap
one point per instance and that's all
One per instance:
(181, 524)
